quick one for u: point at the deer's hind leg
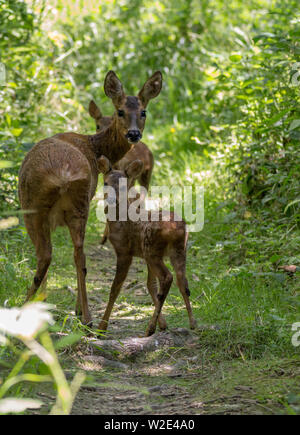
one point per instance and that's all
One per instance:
(76, 223)
(159, 269)
(38, 228)
(178, 260)
(153, 290)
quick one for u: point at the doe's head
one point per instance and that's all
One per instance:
(112, 177)
(131, 110)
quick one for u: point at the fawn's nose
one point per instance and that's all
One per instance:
(134, 135)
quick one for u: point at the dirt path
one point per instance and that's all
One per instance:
(141, 384)
(173, 379)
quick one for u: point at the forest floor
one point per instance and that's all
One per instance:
(177, 379)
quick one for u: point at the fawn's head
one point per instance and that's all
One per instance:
(130, 115)
(112, 177)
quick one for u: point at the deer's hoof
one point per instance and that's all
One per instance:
(150, 330)
(193, 324)
(103, 240)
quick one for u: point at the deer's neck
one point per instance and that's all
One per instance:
(110, 143)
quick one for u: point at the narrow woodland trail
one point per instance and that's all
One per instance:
(140, 383)
(170, 377)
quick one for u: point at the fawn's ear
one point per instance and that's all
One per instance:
(94, 110)
(134, 169)
(104, 165)
(113, 88)
(151, 88)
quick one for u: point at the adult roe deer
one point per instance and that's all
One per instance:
(58, 178)
(139, 151)
(149, 240)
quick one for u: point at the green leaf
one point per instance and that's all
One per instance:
(68, 340)
(278, 116)
(235, 57)
(275, 258)
(294, 124)
(5, 164)
(17, 131)
(265, 35)
(290, 204)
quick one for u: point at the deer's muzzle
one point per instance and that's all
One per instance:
(134, 136)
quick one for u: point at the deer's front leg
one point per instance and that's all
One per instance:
(123, 264)
(77, 230)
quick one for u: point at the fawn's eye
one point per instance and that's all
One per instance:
(98, 127)
(105, 184)
(121, 113)
(143, 114)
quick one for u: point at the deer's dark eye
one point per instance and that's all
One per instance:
(143, 114)
(121, 113)
(98, 127)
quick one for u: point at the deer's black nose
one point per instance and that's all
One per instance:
(134, 135)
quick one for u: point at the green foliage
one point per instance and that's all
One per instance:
(264, 157)
(22, 92)
(29, 325)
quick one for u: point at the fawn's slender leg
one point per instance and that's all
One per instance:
(123, 264)
(165, 278)
(153, 290)
(178, 261)
(39, 231)
(77, 226)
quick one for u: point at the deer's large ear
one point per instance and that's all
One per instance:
(113, 88)
(151, 88)
(104, 165)
(94, 110)
(134, 169)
